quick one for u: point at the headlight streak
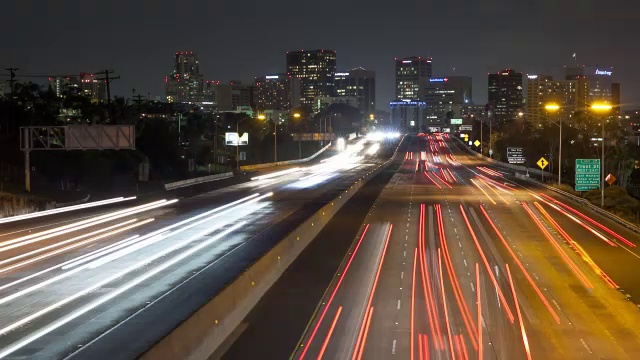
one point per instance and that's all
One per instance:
(36, 335)
(63, 209)
(152, 236)
(276, 174)
(28, 239)
(66, 248)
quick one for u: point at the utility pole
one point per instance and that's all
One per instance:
(11, 81)
(138, 100)
(107, 79)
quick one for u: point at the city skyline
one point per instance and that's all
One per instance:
(470, 41)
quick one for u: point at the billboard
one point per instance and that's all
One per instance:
(232, 139)
(456, 121)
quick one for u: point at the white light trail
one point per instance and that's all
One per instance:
(64, 209)
(36, 335)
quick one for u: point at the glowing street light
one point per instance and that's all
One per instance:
(602, 108)
(296, 115)
(553, 107)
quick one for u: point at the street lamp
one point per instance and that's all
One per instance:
(604, 109)
(275, 135)
(297, 115)
(553, 108)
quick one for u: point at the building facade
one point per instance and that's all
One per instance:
(444, 95)
(408, 115)
(185, 83)
(570, 95)
(85, 84)
(359, 84)
(505, 95)
(599, 79)
(277, 92)
(410, 72)
(316, 70)
(231, 96)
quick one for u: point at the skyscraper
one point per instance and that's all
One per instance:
(85, 84)
(410, 71)
(359, 84)
(316, 70)
(505, 95)
(445, 94)
(570, 95)
(600, 81)
(277, 92)
(185, 83)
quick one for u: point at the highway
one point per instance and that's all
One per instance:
(84, 283)
(458, 259)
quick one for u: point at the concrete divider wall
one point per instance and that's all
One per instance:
(200, 335)
(198, 180)
(282, 163)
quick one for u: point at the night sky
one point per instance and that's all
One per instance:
(240, 39)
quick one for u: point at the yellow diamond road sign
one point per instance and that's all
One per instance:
(542, 163)
(476, 143)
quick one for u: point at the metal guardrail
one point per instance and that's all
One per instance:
(281, 163)
(198, 180)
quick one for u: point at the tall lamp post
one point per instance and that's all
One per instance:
(553, 108)
(603, 109)
(275, 136)
(297, 115)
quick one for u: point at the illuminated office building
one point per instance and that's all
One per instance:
(443, 95)
(359, 84)
(410, 71)
(505, 95)
(185, 83)
(316, 70)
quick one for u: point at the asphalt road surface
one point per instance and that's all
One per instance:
(100, 282)
(457, 259)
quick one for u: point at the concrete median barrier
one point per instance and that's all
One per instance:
(202, 333)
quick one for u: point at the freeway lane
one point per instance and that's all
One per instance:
(64, 285)
(411, 291)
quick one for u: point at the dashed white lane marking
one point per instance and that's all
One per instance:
(585, 345)
(465, 262)
(459, 245)
(407, 224)
(402, 275)
(473, 287)
(406, 237)
(556, 304)
(405, 253)
(393, 347)
(398, 304)
(455, 230)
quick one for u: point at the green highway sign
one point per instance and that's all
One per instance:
(587, 174)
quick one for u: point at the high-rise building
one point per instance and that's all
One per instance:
(505, 95)
(86, 84)
(359, 84)
(570, 95)
(600, 81)
(277, 92)
(444, 94)
(185, 83)
(229, 97)
(316, 70)
(410, 71)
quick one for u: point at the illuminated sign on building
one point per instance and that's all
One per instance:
(603, 72)
(406, 61)
(408, 103)
(272, 77)
(438, 80)
(532, 76)
(342, 74)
